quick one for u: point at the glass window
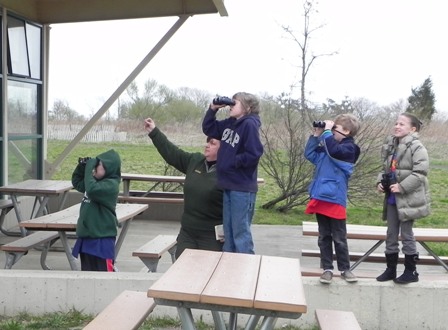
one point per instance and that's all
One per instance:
(33, 38)
(22, 160)
(22, 108)
(18, 54)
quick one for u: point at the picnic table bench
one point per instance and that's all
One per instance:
(328, 319)
(378, 233)
(18, 248)
(66, 220)
(151, 252)
(127, 311)
(156, 180)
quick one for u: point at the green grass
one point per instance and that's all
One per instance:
(143, 158)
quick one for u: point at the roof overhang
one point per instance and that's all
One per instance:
(71, 11)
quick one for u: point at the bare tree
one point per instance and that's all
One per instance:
(286, 124)
(285, 135)
(307, 56)
(62, 112)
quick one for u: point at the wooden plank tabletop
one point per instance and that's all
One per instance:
(160, 178)
(379, 232)
(67, 219)
(152, 178)
(243, 281)
(186, 279)
(278, 288)
(233, 282)
(33, 187)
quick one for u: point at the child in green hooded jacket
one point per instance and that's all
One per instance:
(99, 180)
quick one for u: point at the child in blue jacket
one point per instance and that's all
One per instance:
(237, 166)
(334, 153)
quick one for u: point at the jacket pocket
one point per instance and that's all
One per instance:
(327, 188)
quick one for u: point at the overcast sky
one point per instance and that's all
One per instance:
(384, 47)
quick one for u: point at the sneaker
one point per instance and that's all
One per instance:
(326, 277)
(349, 276)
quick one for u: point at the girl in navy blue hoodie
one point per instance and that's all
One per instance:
(237, 166)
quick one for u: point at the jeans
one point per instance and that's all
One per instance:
(333, 230)
(394, 226)
(238, 211)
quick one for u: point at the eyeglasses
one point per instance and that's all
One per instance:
(334, 129)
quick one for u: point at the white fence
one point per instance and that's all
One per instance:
(102, 133)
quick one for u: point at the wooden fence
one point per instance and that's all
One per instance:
(102, 133)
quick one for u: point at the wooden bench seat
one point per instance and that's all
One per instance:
(128, 311)
(151, 252)
(18, 248)
(336, 320)
(377, 257)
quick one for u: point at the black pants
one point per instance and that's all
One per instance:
(333, 230)
(197, 239)
(93, 263)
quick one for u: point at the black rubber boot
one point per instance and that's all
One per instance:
(391, 271)
(410, 270)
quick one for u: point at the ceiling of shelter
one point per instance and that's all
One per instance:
(71, 11)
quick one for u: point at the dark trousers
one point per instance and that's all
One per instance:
(197, 239)
(333, 231)
(95, 264)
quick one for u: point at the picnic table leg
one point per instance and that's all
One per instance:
(268, 323)
(186, 318)
(435, 256)
(68, 251)
(252, 322)
(62, 201)
(121, 237)
(366, 255)
(126, 187)
(42, 206)
(3, 214)
(219, 322)
(18, 214)
(43, 256)
(233, 320)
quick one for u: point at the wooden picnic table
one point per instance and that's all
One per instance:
(66, 220)
(127, 178)
(378, 234)
(42, 190)
(262, 286)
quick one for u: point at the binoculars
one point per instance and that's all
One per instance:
(83, 160)
(223, 100)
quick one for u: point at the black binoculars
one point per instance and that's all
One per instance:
(223, 100)
(387, 180)
(83, 160)
(319, 124)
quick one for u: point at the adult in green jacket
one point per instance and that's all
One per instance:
(202, 198)
(98, 179)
